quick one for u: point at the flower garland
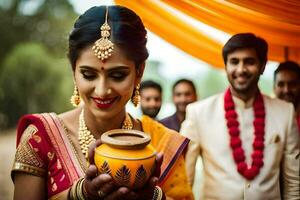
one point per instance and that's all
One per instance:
(249, 172)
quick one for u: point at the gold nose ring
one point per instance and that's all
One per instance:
(109, 91)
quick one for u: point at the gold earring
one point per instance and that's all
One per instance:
(75, 98)
(136, 98)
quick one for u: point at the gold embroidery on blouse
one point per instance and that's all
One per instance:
(28, 132)
(21, 167)
(26, 158)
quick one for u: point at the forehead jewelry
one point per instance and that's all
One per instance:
(103, 47)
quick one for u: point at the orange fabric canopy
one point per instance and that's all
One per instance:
(282, 32)
(282, 10)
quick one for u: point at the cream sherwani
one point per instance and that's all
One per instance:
(205, 125)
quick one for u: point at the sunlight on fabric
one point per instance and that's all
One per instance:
(211, 32)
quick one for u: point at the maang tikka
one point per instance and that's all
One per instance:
(103, 47)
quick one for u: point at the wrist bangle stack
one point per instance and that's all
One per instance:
(76, 191)
(158, 193)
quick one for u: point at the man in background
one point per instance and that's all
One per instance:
(151, 98)
(246, 139)
(184, 93)
(287, 85)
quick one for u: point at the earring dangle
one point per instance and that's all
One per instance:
(136, 98)
(75, 98)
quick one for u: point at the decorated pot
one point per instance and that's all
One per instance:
(126, 156)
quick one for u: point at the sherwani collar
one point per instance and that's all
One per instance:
(241, 103)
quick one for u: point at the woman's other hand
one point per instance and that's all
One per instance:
(147, 192)
(100, 186)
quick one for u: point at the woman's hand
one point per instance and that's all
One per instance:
(147, 192)
(103, 187)
(100, 186)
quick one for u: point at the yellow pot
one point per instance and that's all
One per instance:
(127, 156)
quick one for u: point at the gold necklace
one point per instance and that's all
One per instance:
(85, 137)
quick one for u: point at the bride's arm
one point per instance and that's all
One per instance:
(29, 187)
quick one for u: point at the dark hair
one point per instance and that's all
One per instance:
(289, 66)
(150, 84)
(184, 81)
(127, 32)
(246, 40)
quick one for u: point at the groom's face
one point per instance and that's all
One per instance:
(243, 70)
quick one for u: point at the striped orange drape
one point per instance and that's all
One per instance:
(264, 18)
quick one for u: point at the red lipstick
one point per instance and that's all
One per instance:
(103, 103)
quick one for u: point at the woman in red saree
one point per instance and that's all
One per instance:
(108, 64)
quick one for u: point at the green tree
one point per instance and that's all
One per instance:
(49, 22)
(32, 81)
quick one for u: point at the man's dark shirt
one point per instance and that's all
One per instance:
(171, 122)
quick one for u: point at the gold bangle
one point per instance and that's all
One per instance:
(85, 193)
(72, 191)
(79, 190)
(76, 191)
(158, 193)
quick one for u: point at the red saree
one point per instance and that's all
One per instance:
(44, 149)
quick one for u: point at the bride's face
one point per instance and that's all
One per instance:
(105, 86)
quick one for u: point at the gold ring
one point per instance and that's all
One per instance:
(158, 193)
(101, 194)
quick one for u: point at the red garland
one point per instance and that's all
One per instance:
(249, 172)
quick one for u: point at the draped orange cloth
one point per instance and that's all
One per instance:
(283, 10)
(276, 21)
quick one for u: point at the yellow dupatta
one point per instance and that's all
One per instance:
(173, 179)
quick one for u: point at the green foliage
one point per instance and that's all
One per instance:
(30, 82)
(212, 83)
(49, 24)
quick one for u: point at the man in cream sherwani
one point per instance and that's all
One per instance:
(245, 56)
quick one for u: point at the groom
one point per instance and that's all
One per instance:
(246, 139)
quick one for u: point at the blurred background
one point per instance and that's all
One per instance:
(35, 75)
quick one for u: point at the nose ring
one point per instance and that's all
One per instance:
(109, 91)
